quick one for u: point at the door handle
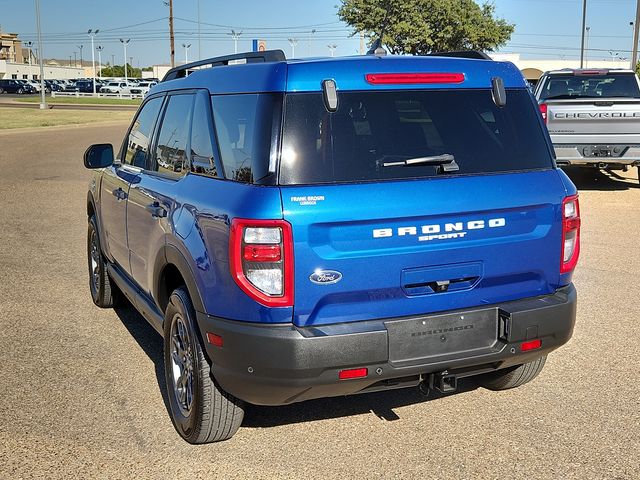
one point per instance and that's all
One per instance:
(119, 193)
(156, 210)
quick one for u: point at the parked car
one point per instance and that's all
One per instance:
(53, 86)
(116, 87)
(593, 116)
(142, 88)
(306, 229)
(15, 86)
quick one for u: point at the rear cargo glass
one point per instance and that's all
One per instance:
(589, 86)
(372, 128)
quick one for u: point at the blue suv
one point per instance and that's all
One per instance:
(298, 229)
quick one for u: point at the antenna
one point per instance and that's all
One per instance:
(376, 46)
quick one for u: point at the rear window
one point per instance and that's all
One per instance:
(589, 86)
(371, 130)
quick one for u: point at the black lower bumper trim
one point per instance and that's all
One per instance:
(280, 364)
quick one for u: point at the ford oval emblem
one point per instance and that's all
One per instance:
(325, 277)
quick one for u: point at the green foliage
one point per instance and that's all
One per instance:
(118, 71)
(425, 26)
(638, 68)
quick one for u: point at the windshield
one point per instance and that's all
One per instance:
(374, 134)
(610, 85)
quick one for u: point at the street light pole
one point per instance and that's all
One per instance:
(332, 49)
(99, 48)
(584, 24)
(235, 35)
(92, 34)
(199, 37)
(293, 42)
(43, 100)
(636, 26)
(186, 52)
(29, 44)
(586, 48)
(124, 44)
(81, 47)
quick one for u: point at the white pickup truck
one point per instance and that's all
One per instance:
(593, 116)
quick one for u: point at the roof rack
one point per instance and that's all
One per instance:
(462, 54)
(248, 57)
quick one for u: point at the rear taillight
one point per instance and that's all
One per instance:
(543, 111)
(570, 233)
(261, 260)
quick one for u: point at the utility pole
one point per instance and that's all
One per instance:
(186, 52)
(293, 42)
(636, 26)
(75, 59)
(113, 60)
(43, 100)
(99, 48)
(199, 37)
(92, 34)
(584, 24)
(124, 44)
(362, 50)
(235, 35)
(172, 46)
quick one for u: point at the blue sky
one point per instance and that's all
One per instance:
(544, 28)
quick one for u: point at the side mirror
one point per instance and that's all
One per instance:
(99, 156)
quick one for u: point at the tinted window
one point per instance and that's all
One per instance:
(171, 150)
(140, 134)
(202, 160)
(590, 86)
(371, 129)
(244, 126)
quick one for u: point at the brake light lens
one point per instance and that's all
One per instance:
(413, 78)
(530, 345)
(543, 112)
(261, 260)
(570, 234)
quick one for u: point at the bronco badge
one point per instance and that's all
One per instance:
(325, 277)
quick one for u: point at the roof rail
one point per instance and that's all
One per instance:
(462, 54)
(248, 57)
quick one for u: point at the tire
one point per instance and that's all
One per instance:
(20, 91)
(104, 292)
(201, 411)
(513, 377)
(1, 90)
(638, 168)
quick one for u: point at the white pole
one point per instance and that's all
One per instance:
(92, 34)
(99, 48)
(186, 52)
(199, 38)
(124, 44)
(43, 100)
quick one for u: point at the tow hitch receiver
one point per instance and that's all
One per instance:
(442, 382)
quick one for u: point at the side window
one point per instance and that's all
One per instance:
(171, 149)
(140, 134)
(202, 159)
(244, 126)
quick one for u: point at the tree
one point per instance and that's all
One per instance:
(118, 71)
(425, 26)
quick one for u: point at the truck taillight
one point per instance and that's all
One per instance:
(570, 233)
(543, 111)
(261, 260)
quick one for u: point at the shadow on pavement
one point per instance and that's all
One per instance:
(150, 342)
(380, 404)
(595, 179)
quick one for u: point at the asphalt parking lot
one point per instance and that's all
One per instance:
(82, 395)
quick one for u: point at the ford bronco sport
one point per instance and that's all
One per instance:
(312, 228)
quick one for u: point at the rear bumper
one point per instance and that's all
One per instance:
(573, 154)
(281, 364)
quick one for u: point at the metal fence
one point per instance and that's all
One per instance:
(97, 95)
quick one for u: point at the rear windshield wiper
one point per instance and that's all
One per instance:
(446, 161)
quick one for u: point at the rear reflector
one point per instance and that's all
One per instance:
(215, 340)
(262, 253)
(413, 78)
(530, 345)
(352, 373)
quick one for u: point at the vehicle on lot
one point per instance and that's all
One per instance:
(15, 86)
(593, 116)
(86, 86)
(142, 88)
(116, 87)
(53, 86)
(312, 228)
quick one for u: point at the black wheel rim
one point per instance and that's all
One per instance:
(94, 262)
(181, 364)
